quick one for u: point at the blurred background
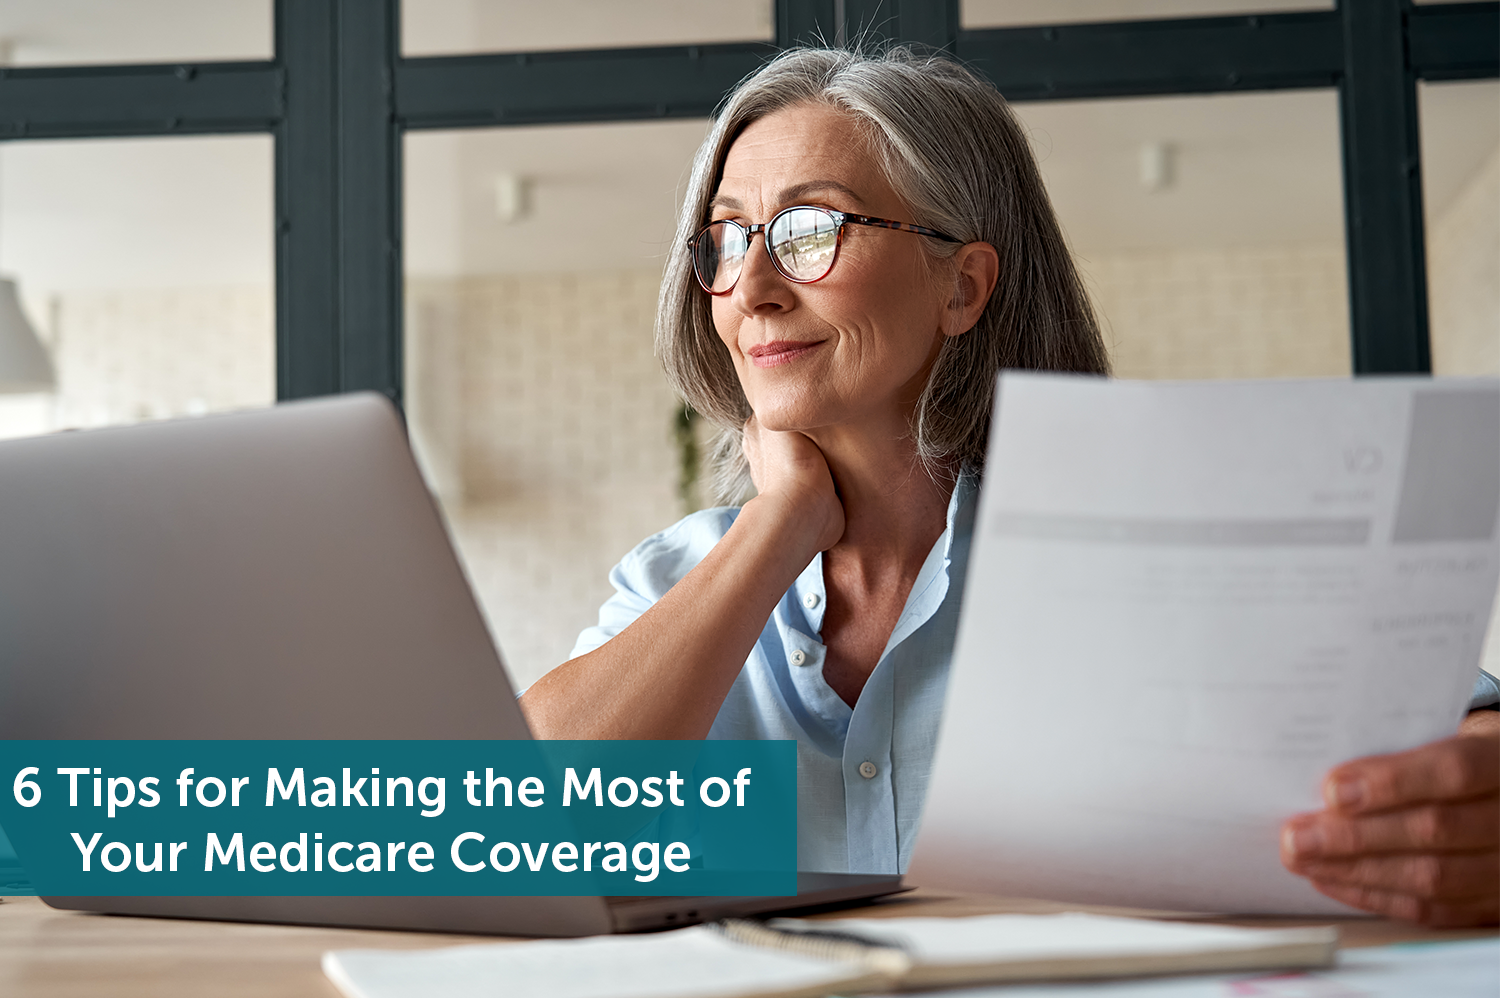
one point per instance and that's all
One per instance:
(1210, 230)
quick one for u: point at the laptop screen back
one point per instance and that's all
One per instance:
(281, 573)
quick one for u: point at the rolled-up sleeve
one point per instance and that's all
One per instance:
(1486, 693)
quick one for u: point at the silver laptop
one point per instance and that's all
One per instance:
(176, 579)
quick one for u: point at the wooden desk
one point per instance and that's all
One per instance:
(64, 954)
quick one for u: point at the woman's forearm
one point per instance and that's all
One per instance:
(666, 675)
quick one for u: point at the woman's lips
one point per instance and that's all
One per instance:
(780, 352)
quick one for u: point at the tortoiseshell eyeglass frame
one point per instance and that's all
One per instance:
(840, 219)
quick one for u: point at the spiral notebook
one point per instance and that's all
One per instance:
(796, 958)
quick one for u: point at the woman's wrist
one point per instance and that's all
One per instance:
(796, 526)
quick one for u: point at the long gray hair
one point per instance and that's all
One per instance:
(952, 150)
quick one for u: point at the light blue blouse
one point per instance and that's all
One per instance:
(861, 772)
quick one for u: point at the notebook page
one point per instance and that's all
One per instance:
(1422, 970)
(687, 963)
(1071, 935)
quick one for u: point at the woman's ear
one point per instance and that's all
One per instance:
(976, 268)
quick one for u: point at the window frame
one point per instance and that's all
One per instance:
(338, 97)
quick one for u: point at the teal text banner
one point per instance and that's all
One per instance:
(380, 818)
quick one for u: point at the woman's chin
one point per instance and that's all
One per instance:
(784, 420)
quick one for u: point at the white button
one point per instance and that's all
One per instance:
(799, 657)
(867, 770)
(810, 600)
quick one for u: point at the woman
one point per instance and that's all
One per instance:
(907, 253)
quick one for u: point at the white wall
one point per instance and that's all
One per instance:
(63, 32)
(1463, 277)
(452, 27)
(91, 214)
(1254, 312)
(130, 355)
(145, 264)
(1006, 13)
(544, 422)
(601, 197)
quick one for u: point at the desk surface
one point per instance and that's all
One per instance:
(50, 954)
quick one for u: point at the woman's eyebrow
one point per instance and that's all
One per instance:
(791, 195)
(798, 192)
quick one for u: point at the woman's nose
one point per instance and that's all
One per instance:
(760, 289)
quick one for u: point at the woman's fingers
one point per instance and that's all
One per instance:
(1463, 826)
(1454, 768)
(1445, 877)
(1440, 914)
(780, 458)
(788, 467)
(1412, 835)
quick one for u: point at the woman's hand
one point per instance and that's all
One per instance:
(1412, 835)
(787, 467)
(667, 674)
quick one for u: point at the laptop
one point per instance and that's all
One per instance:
(176, 579)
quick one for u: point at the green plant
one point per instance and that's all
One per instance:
(684, 430)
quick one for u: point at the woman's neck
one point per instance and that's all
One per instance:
(895, 509)
(895, 505)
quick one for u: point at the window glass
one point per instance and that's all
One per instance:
(446, 27)
(1460, 125)
(1209, 229)
(64, 32)
(540, 415)
(1012, 13)
(144, 266)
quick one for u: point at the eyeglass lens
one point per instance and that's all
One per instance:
(719, 255)
(802, 241)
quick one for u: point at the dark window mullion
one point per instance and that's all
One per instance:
(1145, 58)
(1382, 193)
(328, 97)
(1459, 41)
(928, 23)
(574, 86)
(107, 101)
(806, 22)
(307, 219)
(369, 145)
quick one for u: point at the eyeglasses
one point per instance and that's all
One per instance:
(803, 243)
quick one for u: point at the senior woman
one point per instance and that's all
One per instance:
(907, 253)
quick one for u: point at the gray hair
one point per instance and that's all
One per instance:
(953, 151)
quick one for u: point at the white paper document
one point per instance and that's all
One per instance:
(1185, 604)
(1469, 969)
